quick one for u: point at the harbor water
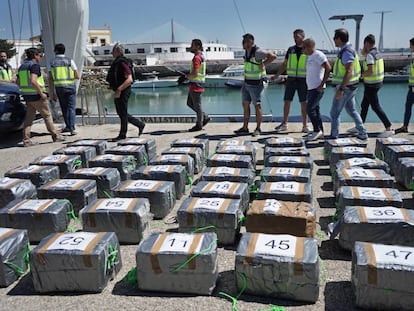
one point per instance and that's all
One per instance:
(222, 101)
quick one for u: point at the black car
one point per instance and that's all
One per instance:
(12, 110)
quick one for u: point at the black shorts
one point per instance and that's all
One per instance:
(293, 85)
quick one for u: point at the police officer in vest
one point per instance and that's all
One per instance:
(63, 74)
(345, 79)
(295, 67)
(410, 94)
(6, 73)
(255, 61)
(32, 87)
(373, 75)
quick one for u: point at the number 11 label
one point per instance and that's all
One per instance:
(179, 243)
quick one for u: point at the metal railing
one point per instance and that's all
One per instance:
(86, 107)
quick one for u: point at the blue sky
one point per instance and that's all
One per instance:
(271, 21)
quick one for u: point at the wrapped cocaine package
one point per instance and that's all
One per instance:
(193, 142)
(278, 266)
(289, 161)
(148, 143)
(230, 160)
(75, 262)
(137, 151)
(341, 142)
(124, 164)
(85, 152)
(176, 159)
(225, 173)
(66, 163)
(342, 153)
(14, 188)
(286, 174)
(39, 175)
(178, 263)
(249, 150)
(404, 172)
(195, 152)
(99, 145)
(282, 142)
(382, 143)
(367, 163)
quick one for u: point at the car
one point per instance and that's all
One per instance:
(12, 108)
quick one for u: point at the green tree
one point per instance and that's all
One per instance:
(9, 48)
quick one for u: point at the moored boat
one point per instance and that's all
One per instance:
(152, 81)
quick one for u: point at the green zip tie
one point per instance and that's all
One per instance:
(235, 299)
(77, 164)
(320, 235)
(181, 266)
(253, 188)
(108, 195)
(190, 180)
(26, 258)
(335, 217)
(273, 308)
(15, 267)
(204, 228)
(146, 160)
(323, 269)
(112, 256)
(242, 219)
(131, 277)
(382, 155)
(72, 215)
(132, 165)
(411, 185)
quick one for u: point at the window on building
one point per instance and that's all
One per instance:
(215, 49)
(127, 51)
(141, 51)
(107, 52)
(103, 42)
(96, 52)
(93, 40)
(208, 49)
(157, 50)
(173, 50)
(188, 49)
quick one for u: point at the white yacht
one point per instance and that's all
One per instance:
(232, 76)
(151, 81)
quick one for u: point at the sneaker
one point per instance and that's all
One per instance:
(58, 138)
(73, 132)
(362, 136)
(195, 128)
(65, 130)
(306, 129)
(314, 136)
(353, 130)
(386, 134)
(257, 132)
(401, 130)
(281, 127)
(30, 143)
(206, 120)
(118, 138)
(242, 130)
(141, 129)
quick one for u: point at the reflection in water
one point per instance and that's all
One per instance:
(173, 100)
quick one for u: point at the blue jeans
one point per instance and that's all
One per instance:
(347, 101)
(312, 109)
(408, 103)
(67, 101)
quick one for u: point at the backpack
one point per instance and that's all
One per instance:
(130, 64)
(112, 73)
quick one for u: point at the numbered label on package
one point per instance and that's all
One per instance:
(392, 254)
(54, 158)
(284, 140)
(142, 184)
(107, 157)
(283, 245)
(115, 204)
(160, 168)
(285, 186)
(290, 159)
(182, 149)
(68, 183)
(221, 187)
(383, 213)
(174, 157)
(344, 141)
(271, 206)
(91, 170)
(371, 192)
(188, 141)
(29, 169)
(225, 170)
(285, 171)
(359, 161)
(233, 142)
(74, 149)
(239, 148)
(206, 203)
(179, 243)
(359, 172)
(225, 157)
(73, 241)
(34, 205)
(352, 149)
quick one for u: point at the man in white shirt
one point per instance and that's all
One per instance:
(317, 73)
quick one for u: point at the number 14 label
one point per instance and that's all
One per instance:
(276, 245)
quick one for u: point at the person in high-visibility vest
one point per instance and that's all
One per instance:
(6, 73)
(255, 61)
(410, 94)
(197, 78)
(373, 75)
(32, 87)
(295, 67)
(63, 74)
(346, 73)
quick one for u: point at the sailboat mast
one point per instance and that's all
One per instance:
(172, 31)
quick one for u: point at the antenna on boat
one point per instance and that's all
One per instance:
(381, 39)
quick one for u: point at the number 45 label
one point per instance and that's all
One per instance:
(391, 254)
(276, 245)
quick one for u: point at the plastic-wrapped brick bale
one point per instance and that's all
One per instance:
(38, 174)
(195, 152)
(66, 163)
(285, 191)
(281, 217)
(396, 152)
(124, 164)
(99, 145)
(148, 143)
(385, 225)
(383, 276)
(341, 142)
(225, 173)
(367, 196)
(230, 160)
(285, 151)
(138, 152)
(85, 152)
(342, 153)
(174, 173)
(161, 194)
(367, 163)
(80, 192)
(75, 262)
(235, 142)
(286, 174)
(212, 214)
(405, 172)
(14, 188)
(381, 143)
(362, 177)
(14, 248)
(278, 266)
(176, 159)
(128, 218)
(178, 263)
(249, 150)
(193, 142)
(223, 189)
(289, 161)
(282, 142)
(38, 217)
(107, 179)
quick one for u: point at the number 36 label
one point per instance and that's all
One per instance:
(73, 241)
(276, 245)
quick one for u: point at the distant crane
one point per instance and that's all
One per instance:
(381, 39)
(358, 19)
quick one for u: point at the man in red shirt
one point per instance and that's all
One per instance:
(197, 78)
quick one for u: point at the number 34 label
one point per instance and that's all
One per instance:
(73, 241)
(276, 245)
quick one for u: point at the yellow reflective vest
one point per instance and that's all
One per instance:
(378, 68)
(62, 72)
(24, 79)
(252, 70)
(338, 72)
(6, 73)
(411, 78)
(201, 72)
(296, 68)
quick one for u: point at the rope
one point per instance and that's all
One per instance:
(235, 299)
